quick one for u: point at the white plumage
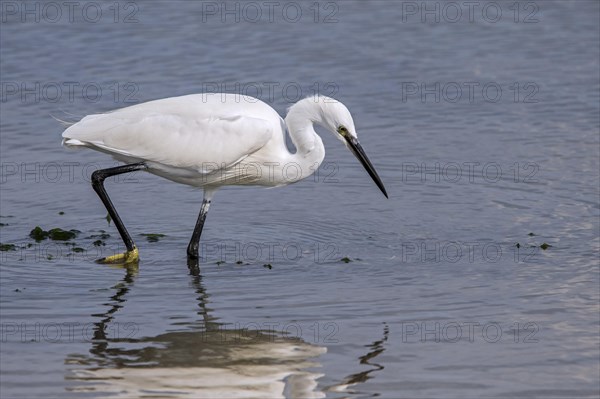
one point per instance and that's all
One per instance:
(183, 138)
(210, 140)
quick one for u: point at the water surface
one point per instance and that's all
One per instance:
(437, 301)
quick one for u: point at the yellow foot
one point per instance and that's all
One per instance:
(132, 256)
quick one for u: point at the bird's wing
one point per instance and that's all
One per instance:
(180, 141)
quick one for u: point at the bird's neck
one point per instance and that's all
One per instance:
(300, 122)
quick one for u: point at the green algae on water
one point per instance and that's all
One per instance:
(7, 247)
(59, 234)
(152, 237)
(56, 234)
(38, 234)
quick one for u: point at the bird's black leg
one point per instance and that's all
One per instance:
(98, 178)
(192, 249)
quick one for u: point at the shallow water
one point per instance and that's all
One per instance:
(437, 300)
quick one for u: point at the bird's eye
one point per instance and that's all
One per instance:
(342, 130)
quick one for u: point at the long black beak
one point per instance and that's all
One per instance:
(359, 153)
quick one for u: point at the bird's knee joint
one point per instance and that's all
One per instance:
(98, 177)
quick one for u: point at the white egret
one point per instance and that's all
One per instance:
(212, 140)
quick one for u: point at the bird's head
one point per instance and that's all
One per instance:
(335, 117)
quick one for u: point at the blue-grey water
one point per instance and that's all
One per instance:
(483, 123)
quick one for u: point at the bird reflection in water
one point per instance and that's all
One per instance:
(205, 361)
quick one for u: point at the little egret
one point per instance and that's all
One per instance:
(213, 140)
